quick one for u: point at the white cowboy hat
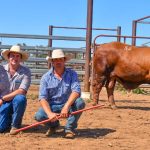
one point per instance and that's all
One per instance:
(58, 53)
(15, 49)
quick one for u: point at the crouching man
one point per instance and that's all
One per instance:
(14, 82)
(60, 94)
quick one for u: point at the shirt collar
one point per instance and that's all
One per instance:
(6, 67)
(52, 69)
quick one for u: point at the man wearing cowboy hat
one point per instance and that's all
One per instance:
(13, 88)
(60, 93)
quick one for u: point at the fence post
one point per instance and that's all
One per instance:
(50, 42)
(134, 26)
(118, 33)
(88, 45)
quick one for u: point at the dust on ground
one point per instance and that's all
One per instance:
(127, 128)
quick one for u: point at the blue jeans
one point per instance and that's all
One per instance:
(72, 119)
(11, 112)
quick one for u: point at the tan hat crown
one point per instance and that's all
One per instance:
(58, 53)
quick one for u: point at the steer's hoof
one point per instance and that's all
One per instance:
(94, 104)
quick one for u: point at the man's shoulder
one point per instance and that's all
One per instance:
(47, 74)
(23, 67)
(70, 70)
(5, 66)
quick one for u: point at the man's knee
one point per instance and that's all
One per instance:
(40, 115)
(20, 99)
(80, 103)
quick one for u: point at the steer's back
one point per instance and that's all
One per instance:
(123, 60)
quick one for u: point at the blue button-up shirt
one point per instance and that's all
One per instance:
(21, 79)
(57, 91)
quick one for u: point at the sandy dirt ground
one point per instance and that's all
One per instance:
(127, 128)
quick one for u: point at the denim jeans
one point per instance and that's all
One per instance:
(72, 119)
(11, 112)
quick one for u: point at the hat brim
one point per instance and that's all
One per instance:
(67, 58)
(5, 54)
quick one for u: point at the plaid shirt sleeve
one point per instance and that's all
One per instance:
(43, 88)
(75, 86)
(26, 81)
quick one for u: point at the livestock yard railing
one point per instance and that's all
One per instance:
(37, 62)
(134, 27)
(88, 46)
(116, 36)
(124, 38)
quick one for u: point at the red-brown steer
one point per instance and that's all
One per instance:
(115, 61)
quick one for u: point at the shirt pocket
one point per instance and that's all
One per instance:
(17, 84)
(66, 88)
(52, 91)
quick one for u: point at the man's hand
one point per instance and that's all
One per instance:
(53, 116)
(1, 102)
(64, 112)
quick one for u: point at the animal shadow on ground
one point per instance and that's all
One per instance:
(134, 107)
(37, 129)
(81, 133)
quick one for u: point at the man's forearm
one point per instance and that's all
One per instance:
(11, 95)
(73, 96)
(46, 106)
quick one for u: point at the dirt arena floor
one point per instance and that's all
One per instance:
(127, 128)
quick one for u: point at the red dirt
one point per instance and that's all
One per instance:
(126, 128)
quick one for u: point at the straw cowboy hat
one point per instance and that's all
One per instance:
(15, 49)
(58, 53)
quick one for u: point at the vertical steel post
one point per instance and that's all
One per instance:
(88, 45)
(134, 26)
(50, 42)
(118, 33)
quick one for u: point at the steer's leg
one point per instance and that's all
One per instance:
(99, 67)
(110, 85)
(97, 84)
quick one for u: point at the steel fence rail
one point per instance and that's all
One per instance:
(42, 48)
(28, 36)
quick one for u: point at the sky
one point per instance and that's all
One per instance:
(34, 16)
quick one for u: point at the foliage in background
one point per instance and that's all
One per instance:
(32, 96)
(138, 90)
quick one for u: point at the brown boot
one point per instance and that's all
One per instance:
(69, 134)
(51, 131)
(13, 131)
